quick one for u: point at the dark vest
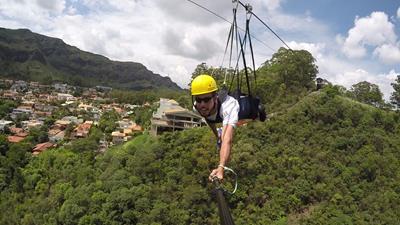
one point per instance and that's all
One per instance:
(249, 107)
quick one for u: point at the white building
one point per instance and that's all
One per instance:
(172, 117)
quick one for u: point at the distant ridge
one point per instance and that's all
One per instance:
(29, 56)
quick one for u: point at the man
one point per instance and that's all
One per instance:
(216, 109)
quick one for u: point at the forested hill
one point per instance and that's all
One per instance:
(326, 160)
(29, 56)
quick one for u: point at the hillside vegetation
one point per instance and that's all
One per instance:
(327, 160)
(323, 159)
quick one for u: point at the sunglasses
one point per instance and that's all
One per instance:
(205, 99)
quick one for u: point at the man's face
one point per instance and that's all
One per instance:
(205, 104)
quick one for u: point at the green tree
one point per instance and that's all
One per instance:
(3, 144)
(367, 93)
(38, 135)
(395, 97)
(47, 79)
(107, 123)
(296, 69)
(6, 107)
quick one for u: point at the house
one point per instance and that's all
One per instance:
(82, 130)
(72, 119)
(44, 107)
(28, 96)
(65, 97)
(41, 115)
(5, 124)
(20, 111)
(45, 97)
(118, 137)
(29, 124)
(39, 148)
(27, 105)
(56, 135)
(321, 83)
(11, 95)
(19, 86)
(103, 88)
(34, 84)
(15, 139)
(128, 126)
(18, 132)
(63, 88)
(172, 117)
(61, 124)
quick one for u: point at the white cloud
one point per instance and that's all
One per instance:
(398, 13)
(374, 30)
(172, 37)
(388, 53)
(272, 5)
(54, 7)
(316, 50)
(37, 13)
(383, 80)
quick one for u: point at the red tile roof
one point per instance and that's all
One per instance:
(15, 139)
(42, 147)
(16, 130)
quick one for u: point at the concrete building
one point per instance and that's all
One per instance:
(4, 124)
(118, 137)
(65, 97)
(29, 124)
(172, 117)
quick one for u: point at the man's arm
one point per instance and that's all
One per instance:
(224, 153)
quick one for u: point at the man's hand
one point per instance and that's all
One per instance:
(218, 172)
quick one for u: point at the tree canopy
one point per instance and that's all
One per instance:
(327, 160)
(395, 97)
(367, 93)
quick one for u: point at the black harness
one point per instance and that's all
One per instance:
(249, 107)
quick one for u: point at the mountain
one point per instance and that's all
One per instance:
(29, 56)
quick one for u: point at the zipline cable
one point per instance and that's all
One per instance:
(215, 14)
(265, 24)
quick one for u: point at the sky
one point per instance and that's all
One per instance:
(352, 41)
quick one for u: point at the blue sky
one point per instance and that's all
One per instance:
(352, 41)
(338, 13)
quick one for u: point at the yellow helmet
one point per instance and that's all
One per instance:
(203, 84)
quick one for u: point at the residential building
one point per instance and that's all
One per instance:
(65, 97)
(20, 111)
(172, 117)
(103, 88)
(82, 130)
(56, 135)
(72, 119)
(63, 88)
(11, 95)
(29, 124)
(19, 132)
(118, 137)
(5, 124)
(39, 148)
(19, 86)
(15, 139)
